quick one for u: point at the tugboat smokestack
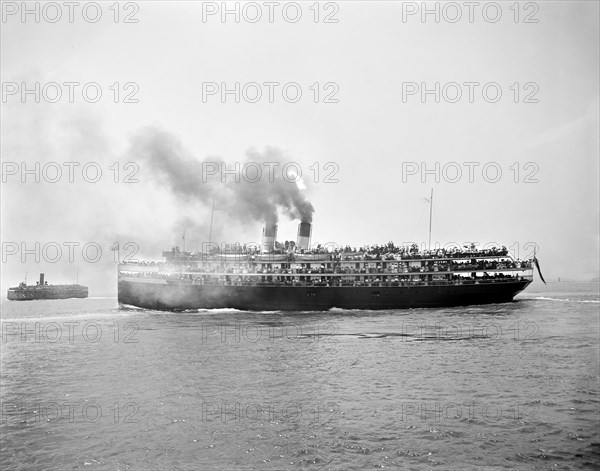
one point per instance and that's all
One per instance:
(41, 279)
(304, 233)
(269, 237)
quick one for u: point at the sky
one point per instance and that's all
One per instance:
(342, 95)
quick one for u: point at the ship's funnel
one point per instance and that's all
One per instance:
(269, 237)
(41, 279)
(304, 233)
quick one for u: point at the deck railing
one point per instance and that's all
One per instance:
(212, 281)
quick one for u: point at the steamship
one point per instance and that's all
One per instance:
(42, 290)
(292, 276)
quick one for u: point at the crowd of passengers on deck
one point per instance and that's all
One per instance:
(412, 252)
(388, 251)
(381, 268)
(387, 280)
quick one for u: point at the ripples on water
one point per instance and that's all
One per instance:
(88, 385)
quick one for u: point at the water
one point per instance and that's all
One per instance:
(86, 385)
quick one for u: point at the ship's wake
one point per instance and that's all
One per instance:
(567, 300)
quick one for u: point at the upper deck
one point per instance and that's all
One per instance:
(377, 253)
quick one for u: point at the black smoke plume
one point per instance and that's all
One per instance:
(245, 200)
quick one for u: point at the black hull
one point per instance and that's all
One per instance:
(32, 295)
(179, 296)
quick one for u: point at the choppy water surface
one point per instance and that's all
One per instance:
(87, 385)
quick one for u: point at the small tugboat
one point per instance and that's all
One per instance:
(42, 290)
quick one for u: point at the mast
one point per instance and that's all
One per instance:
(183, 239)
(212, 215)
(430, 213)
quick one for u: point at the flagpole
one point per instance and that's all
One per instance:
(430, 213)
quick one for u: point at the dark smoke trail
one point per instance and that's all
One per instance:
(246, 201)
